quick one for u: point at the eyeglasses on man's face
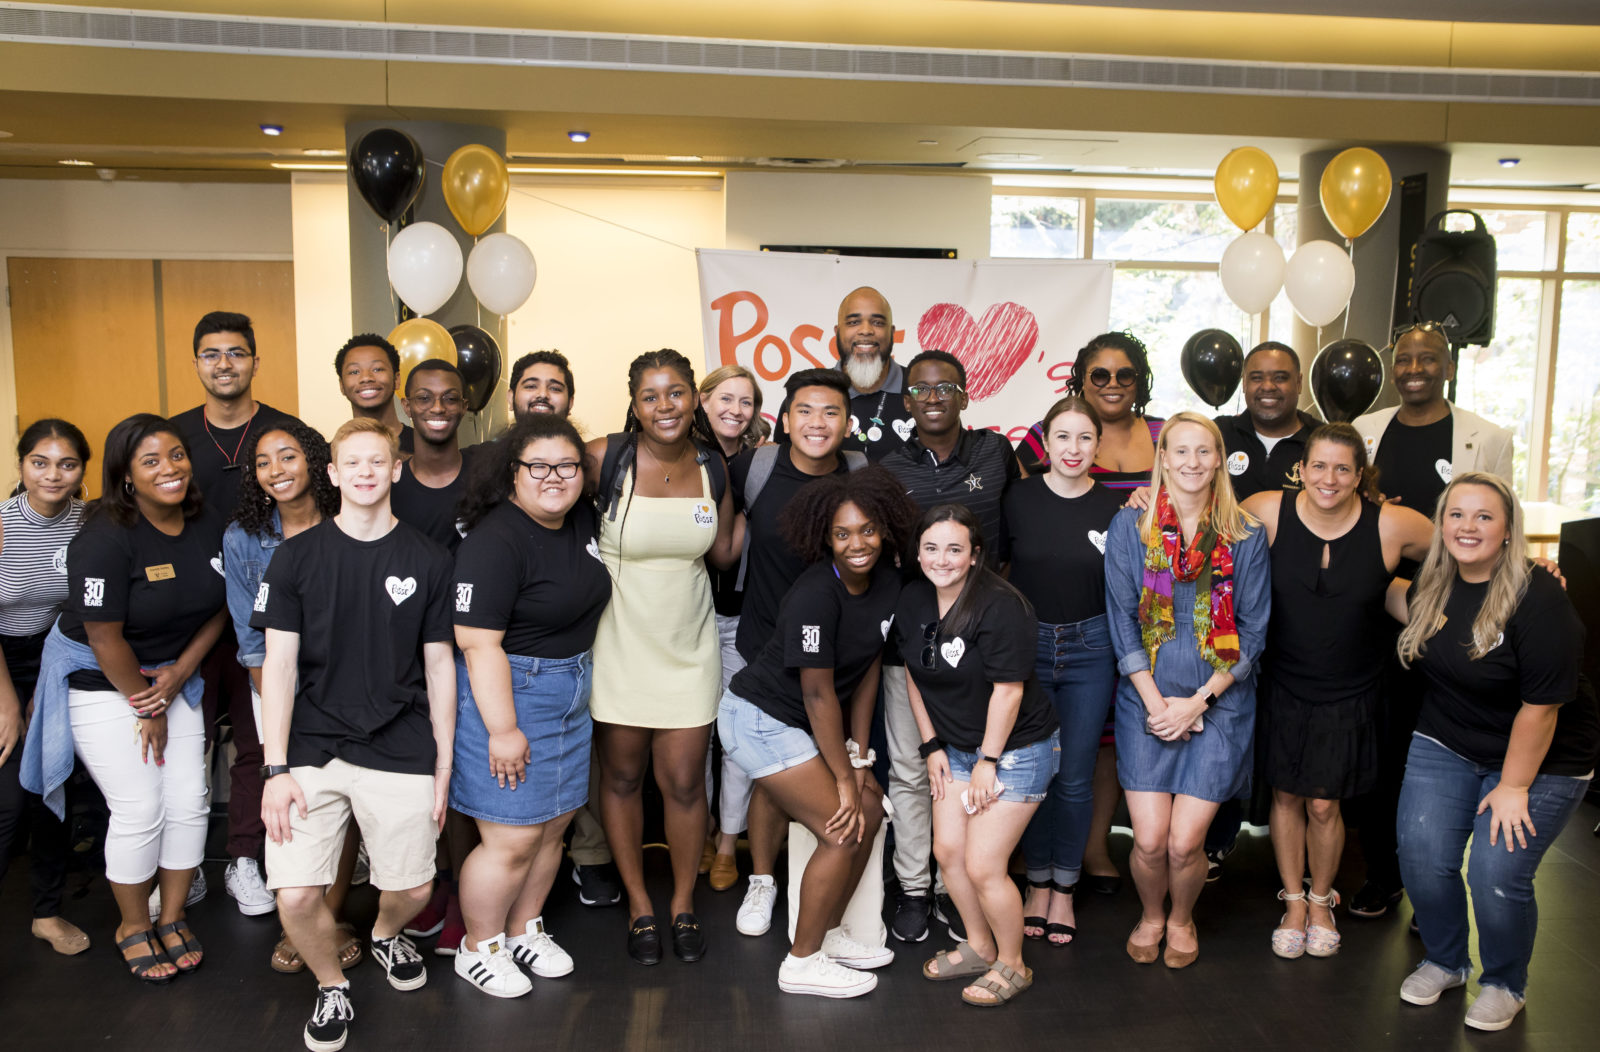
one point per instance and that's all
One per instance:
(944, 389)
(234, 355)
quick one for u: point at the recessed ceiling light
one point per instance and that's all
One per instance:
(75, 163)
(271, 129)
(323, 153)
(578, 136)
(927, 142)
(1510, 162)
(688, 158)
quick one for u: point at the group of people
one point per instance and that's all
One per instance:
(498, 643)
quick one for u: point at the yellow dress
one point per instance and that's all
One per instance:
(657, 662)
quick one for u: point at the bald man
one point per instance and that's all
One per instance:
(879, 421)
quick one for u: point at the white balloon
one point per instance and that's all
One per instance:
(1319, 280)
(424, 266)
(501, 273)
(1252, 271)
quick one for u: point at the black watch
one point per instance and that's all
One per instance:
(272, 770)
(989, 759)
(929, 747)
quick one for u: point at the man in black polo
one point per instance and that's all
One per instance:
(942, 462)
(879, 420)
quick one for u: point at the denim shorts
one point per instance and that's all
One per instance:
(760, 744)
(1025, 774)
(551, 696)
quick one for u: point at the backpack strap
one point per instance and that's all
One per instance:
(762, 461)
(716, 466)
(854, 459)
(621, 448)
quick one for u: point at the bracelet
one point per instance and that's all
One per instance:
(856, 759)
(929, 747)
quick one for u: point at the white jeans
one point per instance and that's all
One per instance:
(158, 812)
(735, 807)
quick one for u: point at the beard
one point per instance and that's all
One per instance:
(863, 372)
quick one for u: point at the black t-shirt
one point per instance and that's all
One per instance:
(1414, 463)
(218, 456)
(408, 440)
(429, 509)
(820, 625)
(879, 423)
(773, 566)
(363, 610)
(161, 588)
(998, 648)
(1469, 706)
(1058, 548)
(546, 589)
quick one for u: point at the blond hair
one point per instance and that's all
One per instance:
(1231, 522)
(364, 425)
(751, 437)
(1507, 584)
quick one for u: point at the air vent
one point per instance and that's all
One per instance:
(218, 34)
(800, 162)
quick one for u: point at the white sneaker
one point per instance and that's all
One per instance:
(820, 977)
(755, 913)
(1423, 986)
(538, 952)
(842, 949)
(491, 969)
(1494, 1009)
(197, 891)
(244, 882)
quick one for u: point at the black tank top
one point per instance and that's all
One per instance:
(1329, 633)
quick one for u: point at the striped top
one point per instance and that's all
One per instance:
(33, 564)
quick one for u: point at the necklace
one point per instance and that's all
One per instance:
(665, 467)
(230, 463)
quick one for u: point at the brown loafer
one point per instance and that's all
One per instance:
(724, 872)
(64, 937)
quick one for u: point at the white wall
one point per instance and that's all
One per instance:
(322, 316)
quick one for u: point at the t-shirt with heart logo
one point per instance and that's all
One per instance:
(363, 611)
(1058, 548)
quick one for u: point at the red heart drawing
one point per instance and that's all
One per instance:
(991, 350)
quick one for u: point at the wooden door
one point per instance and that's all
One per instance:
(262, 290)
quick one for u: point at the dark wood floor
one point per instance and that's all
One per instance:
(1088, 996)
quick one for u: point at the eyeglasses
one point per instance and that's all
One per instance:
(425, 399)
(1102, 376)
(930, 633)
(945, 390)
(233, 354)
(537, 470)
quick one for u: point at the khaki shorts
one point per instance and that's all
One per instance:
(393, 811)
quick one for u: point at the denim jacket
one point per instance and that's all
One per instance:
(47, 753)
(244, 562)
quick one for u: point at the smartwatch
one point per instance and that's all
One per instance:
(989, 759)
(1206, 697)
(272, 770)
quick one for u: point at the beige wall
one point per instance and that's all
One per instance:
(321, 292)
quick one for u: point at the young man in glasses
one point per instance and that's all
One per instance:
(942, 462)
(219, 431)
(879, 420)
(432, 481)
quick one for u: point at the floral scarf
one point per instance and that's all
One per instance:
(1208, 561)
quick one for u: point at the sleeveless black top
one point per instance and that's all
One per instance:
(1329, 633)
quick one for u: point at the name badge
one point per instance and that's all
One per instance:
(164, 572)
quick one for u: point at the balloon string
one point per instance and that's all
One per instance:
(1350, 247)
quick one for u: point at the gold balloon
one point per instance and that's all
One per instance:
(418, 340)
(1247, 186)
(475, 187)
(1355, 190)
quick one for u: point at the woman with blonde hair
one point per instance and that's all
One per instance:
(1505, 744)
(1190, 571)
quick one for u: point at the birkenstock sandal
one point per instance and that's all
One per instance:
(965, 968)
(1015, 984)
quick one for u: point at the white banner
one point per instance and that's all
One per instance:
(1016, 325)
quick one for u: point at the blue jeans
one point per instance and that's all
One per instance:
(1078, 670)
(1438, 812)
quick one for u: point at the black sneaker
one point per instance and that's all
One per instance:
(1214, 857)
(401, 962)
(596, 886)
(330, 1020)
(911, 917)
(1374, 900)
(946, 911)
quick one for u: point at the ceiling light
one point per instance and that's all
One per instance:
(578, 136)
(323, 153)
(688, 158)
(1009, 157)
(927, 142)
(1510, 162)
(308, 166)
(698, 173)
(5, 135)
(272, 129)
(75, 163)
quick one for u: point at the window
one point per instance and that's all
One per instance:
(1034, 227)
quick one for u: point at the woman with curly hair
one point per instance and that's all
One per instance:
(287, 491)
(792, 718)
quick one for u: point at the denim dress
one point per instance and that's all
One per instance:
(1214, 764)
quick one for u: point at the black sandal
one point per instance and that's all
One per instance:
(1036, 922)
(1053, 928)
(180, 928)
(143, 965)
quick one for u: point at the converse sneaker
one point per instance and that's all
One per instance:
(197, 891)
(755, 913)
(842, 949)
(536, 951)
(242, 880)
(1423, 986)
(491, 969)
(330, 1020)
(819, 976)
(1494, 1009)
(401, 962)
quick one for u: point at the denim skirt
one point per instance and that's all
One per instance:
(551, 696)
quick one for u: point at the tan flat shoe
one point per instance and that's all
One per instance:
(64, 937)
(708, 854)
(1141, 953)
(724, 873)
(1175, 958)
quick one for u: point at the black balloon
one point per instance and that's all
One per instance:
(1212, 364)
(478, 358)
(387, 167)
(1345, 378)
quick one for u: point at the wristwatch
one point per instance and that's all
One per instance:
(1206, 697)
(272, 770)
(989, 759)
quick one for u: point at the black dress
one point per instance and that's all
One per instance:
(1325, 658)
